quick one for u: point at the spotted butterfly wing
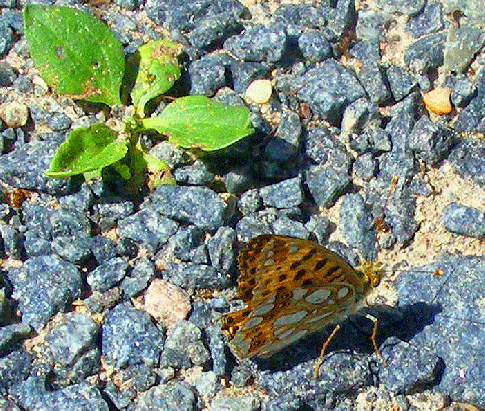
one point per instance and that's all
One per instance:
(292, 288)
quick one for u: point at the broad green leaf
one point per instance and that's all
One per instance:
(86, 150)
(76, 54)
(198, 122)
(157, 71)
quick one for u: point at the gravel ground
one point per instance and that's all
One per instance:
(109, 302)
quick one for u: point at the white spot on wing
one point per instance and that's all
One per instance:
(252, 322)
(298, 293)
(318, 296)
(266, 308)
(343, 292)
(318, 318)
(290, 318)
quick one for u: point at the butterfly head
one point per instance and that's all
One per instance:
(370, 273)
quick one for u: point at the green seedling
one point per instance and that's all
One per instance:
(79, 57)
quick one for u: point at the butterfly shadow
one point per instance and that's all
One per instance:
(354, 334)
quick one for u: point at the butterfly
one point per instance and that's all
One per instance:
(292, 288)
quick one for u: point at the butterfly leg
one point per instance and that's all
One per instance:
(373, 338)
(318, 363)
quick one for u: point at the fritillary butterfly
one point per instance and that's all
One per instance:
(292, 288)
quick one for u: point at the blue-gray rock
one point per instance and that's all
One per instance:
(13, 241)
(292, 228)
(340, 15)
(326, 182)
(371, 25)
(300, 15)
(360, 115)
(373, 80)
(184, 347)
(73, 248)
(285, 194)
(314, 46)
(169, 153)
(183, 15)
(174, 396)
(25, 166)
(285, 144)
(468, 159)
(59, 122)
(408, 7)
(412, 367)
(328, 89)
(32, 394)
(188, 275)
(243, 403)
(103, 248)
(398, 206)
(14, 368)
(183, 243)
(221, 249)
(448, 318)
(7, 38)
(366, 50)
(426, 53)
(400, 81)
(43, 286)
(106, 215)
(197, 205)
(429, 20)
(208, 74)
(319, 226)
(259, 43)
(463, 220)
(430, 142)
(463, 91)
(364, 166)
(148, 228)
(130, 338)
(139, 277)
(217, 347)
(356, 225)
(69, 223)
(213, 31)
(108, 274)
(72, 337)
(340, 372)
(244, 73)
(196, 174)
(286, 402)
(321, 147)
(12, 335)
(140, 377)
(462, 44)
(238, 179)
(35, 246)
(128, 4)
(7, 75)
(249, 202)
(403, 117)
(80, 201)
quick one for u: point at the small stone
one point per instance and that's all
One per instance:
(463, 220)
(14, 114)
(438, 100)
(259, 92)
(166, 302)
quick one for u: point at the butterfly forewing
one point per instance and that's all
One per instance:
(292, 288)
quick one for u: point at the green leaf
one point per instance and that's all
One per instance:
(158, 70)
(76, 54)
(199, 122)
(86, 150)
